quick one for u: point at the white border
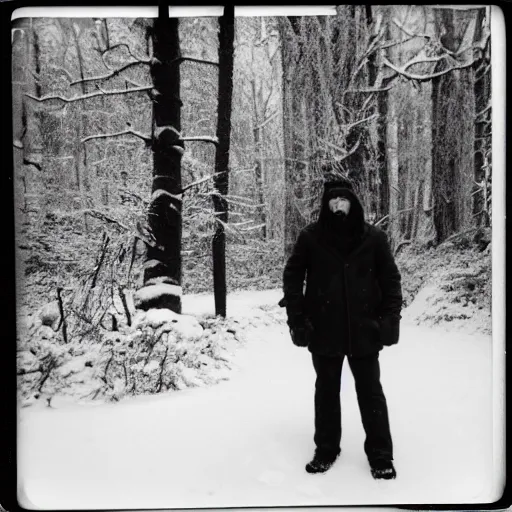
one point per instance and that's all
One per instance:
(174, 11)
(498, 91)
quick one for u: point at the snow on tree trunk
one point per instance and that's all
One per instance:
(221, 179)
(162, 269)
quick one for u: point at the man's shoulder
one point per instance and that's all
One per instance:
(374, 231)
(310, 229)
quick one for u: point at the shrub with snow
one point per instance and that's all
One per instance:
(449, 285)
(161, 351)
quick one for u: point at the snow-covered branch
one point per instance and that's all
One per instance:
(112, 92)
(112, 73)
(140, 235)
(157, 194)
(200, 138)
(145, 138)
(427, 77)
(252, 228)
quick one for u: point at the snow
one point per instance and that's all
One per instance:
(186, 325)
(153, 291)
(432, 306)
(244, 442)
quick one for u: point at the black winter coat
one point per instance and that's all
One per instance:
(353, 300)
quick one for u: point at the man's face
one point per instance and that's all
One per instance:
(338, 205)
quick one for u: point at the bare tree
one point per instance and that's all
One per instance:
(162, 234)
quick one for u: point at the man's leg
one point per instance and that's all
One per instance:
(374, 411)
(327, 404)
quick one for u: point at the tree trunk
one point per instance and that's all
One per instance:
(162, 270)
(80, 168)
(375, 76)
(392, 157)
(482, 145)
(20, 66)
(221, 179)
(453, 132)
(426, 229)
(81, 128)
(258, 164)
(292, 218)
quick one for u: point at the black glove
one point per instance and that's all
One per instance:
(390, 330)
(301, 334)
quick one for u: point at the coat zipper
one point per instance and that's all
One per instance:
(345, 267)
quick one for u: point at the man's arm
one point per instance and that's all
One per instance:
(389, 279)
(293, 282)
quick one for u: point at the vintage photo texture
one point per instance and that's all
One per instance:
(155, 362)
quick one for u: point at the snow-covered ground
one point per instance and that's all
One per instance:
(245, 442)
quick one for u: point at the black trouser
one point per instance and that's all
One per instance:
(371, 399)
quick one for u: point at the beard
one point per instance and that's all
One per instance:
(339, 221)
(340, 215)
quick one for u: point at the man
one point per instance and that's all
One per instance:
(351, 307)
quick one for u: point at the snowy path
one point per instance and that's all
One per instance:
(245, 442)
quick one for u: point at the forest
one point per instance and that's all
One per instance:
(160, 158)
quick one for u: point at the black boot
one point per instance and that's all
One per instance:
(321, 462)
(383, 469)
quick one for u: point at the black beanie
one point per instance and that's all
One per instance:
(333, 192)
(338, 183)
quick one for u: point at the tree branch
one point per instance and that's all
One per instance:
(482, 112)
(90, 95)
(422, 60)
(198, 182)
(112, 73)
(120, 45)
(350, 126)
(424, 78)
(266, 121)
(200, 138)
(368, 90)
(102, 216)
(193, 59)
(145, 138)
(352, 150)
